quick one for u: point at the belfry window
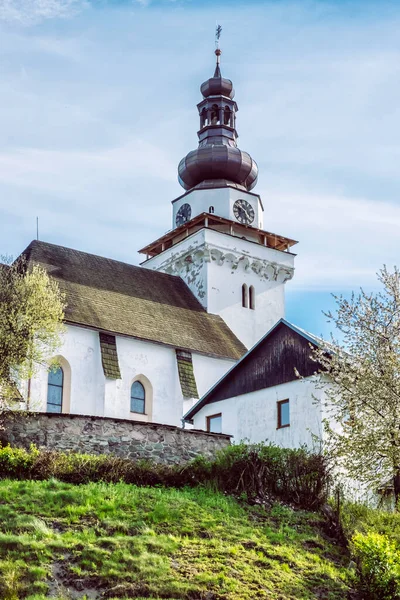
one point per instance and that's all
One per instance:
(138, 398)
(203, 118)
(227, 115)
(252, 298)
(214, 114)
(245, 296)
(211, 210)
(55, 384)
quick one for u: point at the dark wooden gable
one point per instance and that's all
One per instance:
(270, 363)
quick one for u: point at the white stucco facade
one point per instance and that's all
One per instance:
(88, 392)
(253, 416)
(215, 266)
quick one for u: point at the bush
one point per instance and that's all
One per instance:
(359, 518)
(377, 566)
(257, 472)
(263, 471)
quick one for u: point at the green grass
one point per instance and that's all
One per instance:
(102, 540)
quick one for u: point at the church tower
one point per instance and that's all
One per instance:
(218, 244)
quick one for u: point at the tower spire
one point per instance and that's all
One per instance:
(218, 51)
(217, 159)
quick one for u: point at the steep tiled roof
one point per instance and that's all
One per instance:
(119, 298)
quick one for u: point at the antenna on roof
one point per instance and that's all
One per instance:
(37, 228)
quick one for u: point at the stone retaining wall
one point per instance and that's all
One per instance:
(102, 435)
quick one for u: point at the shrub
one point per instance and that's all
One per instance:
(257, 472)
(377, 566)
(263, 471)
(357, 517)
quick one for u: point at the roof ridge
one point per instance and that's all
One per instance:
(34, 243)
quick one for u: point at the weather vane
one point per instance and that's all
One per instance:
(218, 31)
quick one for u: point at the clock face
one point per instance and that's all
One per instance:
(183, 214)
(243, 211)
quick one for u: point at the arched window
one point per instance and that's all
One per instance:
(214, 114)
(245, 296)
(138, 398)
(211, 210)
(55, 384)
(227, 115)
(203, 118)
(252, 296)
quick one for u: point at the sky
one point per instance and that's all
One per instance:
(98, 105)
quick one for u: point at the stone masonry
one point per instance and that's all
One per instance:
(102, 435)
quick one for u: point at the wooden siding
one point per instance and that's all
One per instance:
(272, 363)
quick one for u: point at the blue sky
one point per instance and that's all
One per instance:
(98, 105)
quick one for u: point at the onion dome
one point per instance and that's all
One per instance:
(217, 158)
(218, 162)
(217, 85)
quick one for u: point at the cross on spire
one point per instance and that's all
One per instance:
(218, 51)
(218, 31)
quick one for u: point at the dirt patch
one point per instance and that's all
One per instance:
(64, 583)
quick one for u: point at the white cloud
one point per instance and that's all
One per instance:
(344, 241)
(30, 12)
(95, 113)
(50, 171)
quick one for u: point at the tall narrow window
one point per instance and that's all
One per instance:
(245, 296)
(227, 116)
(214, 423)
(252, 297)
(55, 384)
(283, 413)
(211, 210)
(203, 118)
(138, 397)
(214, 114)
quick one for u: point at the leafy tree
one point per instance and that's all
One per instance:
(362, 389)
(31, 317)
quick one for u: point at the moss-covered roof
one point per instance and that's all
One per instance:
(115, 297)
(186, 374)
(109, 356)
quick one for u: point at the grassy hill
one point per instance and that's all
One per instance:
(100, 540)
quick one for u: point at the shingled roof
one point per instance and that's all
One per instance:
(118, 298)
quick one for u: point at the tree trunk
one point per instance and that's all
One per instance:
(396, 489)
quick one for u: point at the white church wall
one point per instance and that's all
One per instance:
(81, 349)
(215, 266)
(158, 365)
(155, 365)
(226, 299)
(253, 416)
(209, 370)
(185, 260)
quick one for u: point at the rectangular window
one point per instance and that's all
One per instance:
(214, 423)
(283, 413)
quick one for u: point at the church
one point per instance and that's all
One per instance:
(160, 341)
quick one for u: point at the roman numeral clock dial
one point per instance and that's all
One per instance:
(243, 211)
(183, 214)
